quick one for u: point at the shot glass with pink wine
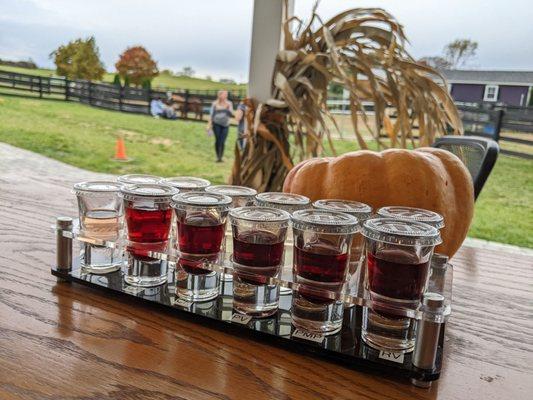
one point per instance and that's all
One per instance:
(362, 212)
(322, 241)
(201, 225)
(397, 272)
(148, 216)
(101, 218)
(258, 248)
(240, 196)
(289, 202)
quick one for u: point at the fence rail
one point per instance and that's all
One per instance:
(103, 95)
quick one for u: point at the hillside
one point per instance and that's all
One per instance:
(166, 81)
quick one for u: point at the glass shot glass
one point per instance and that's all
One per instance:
(187, 183)
(287, 202)
(258, 248)
(132, 179)
(148, 216)
(240, 196)
(322, 241)
(412, 214)
(397, 272)
(201, 226)
(101, 217)
(362, 212)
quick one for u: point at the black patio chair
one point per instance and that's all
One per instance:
(479, 155)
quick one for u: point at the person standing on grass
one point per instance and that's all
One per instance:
(219, 119)
(239, 117)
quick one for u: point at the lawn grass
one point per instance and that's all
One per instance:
(163, 80)
(85, 137)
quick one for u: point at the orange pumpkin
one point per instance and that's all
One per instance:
(427, 178)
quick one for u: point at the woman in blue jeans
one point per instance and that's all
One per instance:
(219, 119)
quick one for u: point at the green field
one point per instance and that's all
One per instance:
(163, 80)
(85, 137)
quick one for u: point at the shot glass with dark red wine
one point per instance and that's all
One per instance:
(289, 202)
(398, 255)
(362, 212)
(258, 248)
(322, 242)
(148, 216)
(240, 196)
(201, 225)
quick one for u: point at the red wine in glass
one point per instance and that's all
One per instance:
(147, 226)
(397, 274)
(322, 264)
(261, 250)
(199, 235)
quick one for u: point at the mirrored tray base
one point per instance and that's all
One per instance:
(345, 347)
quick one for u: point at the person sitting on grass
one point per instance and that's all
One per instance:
(157, 108)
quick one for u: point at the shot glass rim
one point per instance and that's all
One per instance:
(426, 216)
(418, 233)
(131, 192)
(338, 222)
(124, 179)
(284, 199)
(361, 211)
(279, 217)
(183, 182)
(181, 200)
(232, 190)
(83, 188)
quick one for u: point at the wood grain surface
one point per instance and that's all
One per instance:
(65, 341)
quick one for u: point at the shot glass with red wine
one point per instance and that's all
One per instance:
(241, 196)
(322, 241)
(398, 256)
(362, 212)
(289, 202)
(201, 225)
(258, 248)
(148, 216)
(101, 218)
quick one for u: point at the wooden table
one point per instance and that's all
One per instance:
(65, 341)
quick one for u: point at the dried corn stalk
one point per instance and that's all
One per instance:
(362, 49)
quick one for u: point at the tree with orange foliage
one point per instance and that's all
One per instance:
(136, 65)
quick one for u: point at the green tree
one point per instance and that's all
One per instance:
(136, 64)
(79, 59)
(459, 52)
(116, 80)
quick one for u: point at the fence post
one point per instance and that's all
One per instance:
(90, 92)
(67, 85)
(40, 88)
(498, 124)
(186, 105)
(120, 97)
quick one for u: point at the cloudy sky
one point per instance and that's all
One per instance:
(213, 36)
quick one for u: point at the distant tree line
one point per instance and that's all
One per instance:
(22, 64)
(456, 54)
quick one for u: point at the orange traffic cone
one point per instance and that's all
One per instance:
(120, 150)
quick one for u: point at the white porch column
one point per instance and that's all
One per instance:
(266, 42)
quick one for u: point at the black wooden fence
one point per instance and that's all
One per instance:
(103, 95)
(501, 123)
